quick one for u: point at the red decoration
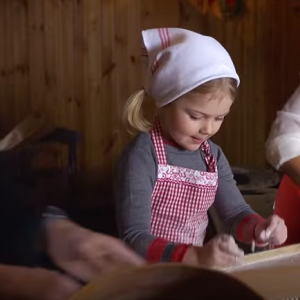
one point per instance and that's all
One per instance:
(219, 8)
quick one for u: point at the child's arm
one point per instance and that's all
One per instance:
(134, 181)
(236, 215)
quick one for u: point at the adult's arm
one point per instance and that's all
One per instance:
(283, 144)
(22, 283)
(292, 169)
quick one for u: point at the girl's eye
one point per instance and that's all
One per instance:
(194, 117)
(220, 119)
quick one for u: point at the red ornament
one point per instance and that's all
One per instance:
(230, 8)
(219, 8)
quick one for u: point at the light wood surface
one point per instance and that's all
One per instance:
(280, 256)
(165, 281)
(272, 282)
(34, 125)
(273, 275)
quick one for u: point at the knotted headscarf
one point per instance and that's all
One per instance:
(178, 60)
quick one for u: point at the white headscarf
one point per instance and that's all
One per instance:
(283, 143)
(179, 60)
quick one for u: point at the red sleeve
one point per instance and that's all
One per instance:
(179, 252)
(245, 229)
(162, 250)
(156, 250)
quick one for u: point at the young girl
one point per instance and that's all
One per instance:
(171, 174)
(283, 153)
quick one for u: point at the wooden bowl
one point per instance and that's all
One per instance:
(166, 281)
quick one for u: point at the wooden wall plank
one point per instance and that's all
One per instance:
(79, 61)
(36, 49)
(7, 72)
(3, 68)
(19, 53)
(91, 109)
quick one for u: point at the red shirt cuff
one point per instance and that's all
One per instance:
(256, 243)
(156, 249)
(179, 253)
(245, 230)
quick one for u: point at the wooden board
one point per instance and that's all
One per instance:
(165, 281)
(274, 274)
(271, 275)
(279, 282)
(285, 256)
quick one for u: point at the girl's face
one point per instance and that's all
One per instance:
(193, 118)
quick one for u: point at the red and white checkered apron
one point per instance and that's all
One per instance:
(181, 196)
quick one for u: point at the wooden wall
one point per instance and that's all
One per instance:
(79, 60)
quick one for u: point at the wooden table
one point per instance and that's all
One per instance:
(271, 275)
(274, 274)
(285, 256)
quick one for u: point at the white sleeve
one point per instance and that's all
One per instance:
(283, 142)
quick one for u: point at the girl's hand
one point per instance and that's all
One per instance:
(221, 251)
(273, 231)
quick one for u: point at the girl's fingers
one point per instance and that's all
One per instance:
(228, 245)
(225, 259)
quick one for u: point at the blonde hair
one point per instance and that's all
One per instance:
(219, 87)
(133, 113)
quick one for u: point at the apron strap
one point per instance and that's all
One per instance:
(158, 143)
(159, 147)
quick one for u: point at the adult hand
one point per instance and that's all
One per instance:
(86, 254)
(35, 284)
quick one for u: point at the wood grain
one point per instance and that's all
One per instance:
(273, 276)
(275, 257)
(164, 281)
(273, 282)
(79, 61)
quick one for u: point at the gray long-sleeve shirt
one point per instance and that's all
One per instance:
(134, 180)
